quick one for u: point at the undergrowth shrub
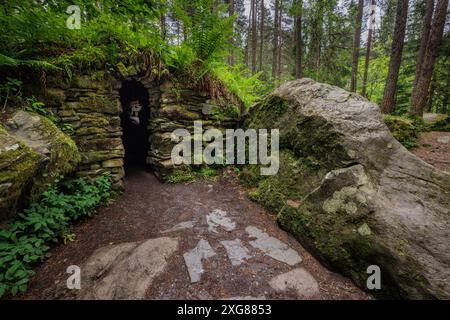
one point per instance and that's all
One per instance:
(189, 174)
(28, 239)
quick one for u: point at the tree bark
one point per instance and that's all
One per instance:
(247, 45)
(425, 37)
(398, 40)
(430, 100)
(261, 37)
(231, 60)
(280, 39)
(298, 39)
(420, 91)
(275, 41)
(368, 49)
(254, 37)
(163, 26)
(356, 46)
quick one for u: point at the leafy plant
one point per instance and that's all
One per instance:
(10, 90)
(27, 240)
(33, 105)
(189, 174)
(208, 26)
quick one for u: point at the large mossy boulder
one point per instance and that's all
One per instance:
(437, 122)
(34, 153)
(18, 165)
(349, 191)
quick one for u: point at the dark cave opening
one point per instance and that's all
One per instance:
(135, 118)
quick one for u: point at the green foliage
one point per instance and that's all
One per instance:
(33, 105)
(180, 57)
(10, 91)
(207, 26)
(27, 240)
(378, 71)
(182, 175)
(248, 88)
(189, 174)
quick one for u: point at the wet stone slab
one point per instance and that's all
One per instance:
(218, 218)
(273, 247)
(193, 259)
(236, 252)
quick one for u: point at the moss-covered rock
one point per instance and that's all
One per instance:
(351, 193)
(42, 151)
(437, 122)
(403, 129)
(18, 166)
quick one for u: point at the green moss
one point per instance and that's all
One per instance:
(64, 158)
(179, 112)
(17, 168)
(100, 103)
(441, 123)
(225, 113)
(266, 113)
(182, 175)
(403, 129)
(190, 174)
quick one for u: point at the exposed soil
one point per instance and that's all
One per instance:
(434, 148)
(147, 208)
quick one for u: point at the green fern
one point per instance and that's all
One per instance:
(208, 27)
(34, 64)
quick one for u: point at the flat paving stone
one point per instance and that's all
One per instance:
(193, 259)
(237, 253)
(444, 139)
(299, 280)
(219, 218)
(273, 247)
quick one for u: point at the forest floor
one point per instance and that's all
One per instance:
(226, 247)
(434, 148)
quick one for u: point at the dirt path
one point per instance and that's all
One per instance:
(434, 148)
(221, 246)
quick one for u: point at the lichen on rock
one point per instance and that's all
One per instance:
(361, 198)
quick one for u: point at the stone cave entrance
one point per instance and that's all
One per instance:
(135, 116)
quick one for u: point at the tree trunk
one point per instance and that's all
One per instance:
(398, 39)
(247, 45)
(298, 39)
(280, 39)
(420, 91)
(368, 49)
(163, 26)
(261, 37)
(254, 36)
(425, 37)
(275, 41)
(230, 13)
(430, 100)
(356, 46)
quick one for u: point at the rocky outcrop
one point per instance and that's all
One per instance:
(352, 193)
(34, 153)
